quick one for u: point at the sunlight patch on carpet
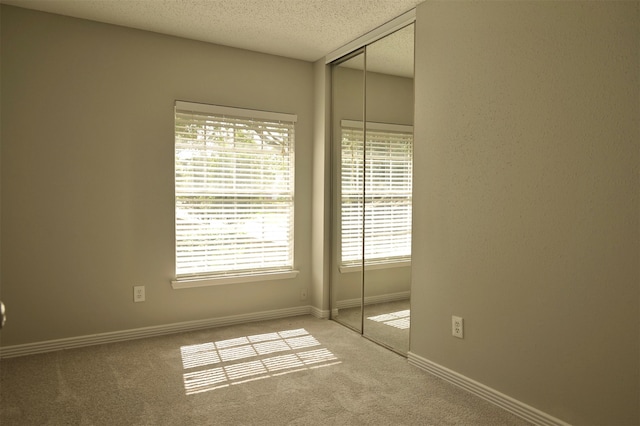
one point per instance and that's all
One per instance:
(241, 360)
(400, 319)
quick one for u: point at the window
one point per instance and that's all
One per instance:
(234, 189)
(385, 192)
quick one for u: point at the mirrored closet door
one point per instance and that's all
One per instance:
(372, 135)
(347, 276)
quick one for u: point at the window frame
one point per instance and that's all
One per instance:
(216, 114)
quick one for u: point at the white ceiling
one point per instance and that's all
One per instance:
(300, 29)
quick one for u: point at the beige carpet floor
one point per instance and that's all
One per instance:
(292, 371)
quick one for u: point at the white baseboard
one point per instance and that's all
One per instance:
(503, 401)
(320, 313)
(140, 333)
(371, 300)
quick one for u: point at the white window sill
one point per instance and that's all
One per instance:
(374, 266)
(204, 281)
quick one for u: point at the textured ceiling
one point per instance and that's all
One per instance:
(301, 29)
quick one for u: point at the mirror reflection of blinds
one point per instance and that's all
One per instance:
(234, 189)
(384, 195)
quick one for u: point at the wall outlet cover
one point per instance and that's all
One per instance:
(457, 327)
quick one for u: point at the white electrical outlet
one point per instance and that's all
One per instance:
(303, 294)
(138, 293)
(457, 327)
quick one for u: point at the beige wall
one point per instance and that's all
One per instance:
(321, 200)
(527, 218)
(87, 173)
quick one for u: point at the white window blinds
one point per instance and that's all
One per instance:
(377, 184)
(234, 189)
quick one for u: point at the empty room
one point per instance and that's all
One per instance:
(320, 212)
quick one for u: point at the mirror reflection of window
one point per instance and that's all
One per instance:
(388, 180)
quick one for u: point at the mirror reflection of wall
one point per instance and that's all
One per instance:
(348, 94)
(372, 189)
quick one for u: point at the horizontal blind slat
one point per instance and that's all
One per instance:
(234, 174)
(376, 192)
